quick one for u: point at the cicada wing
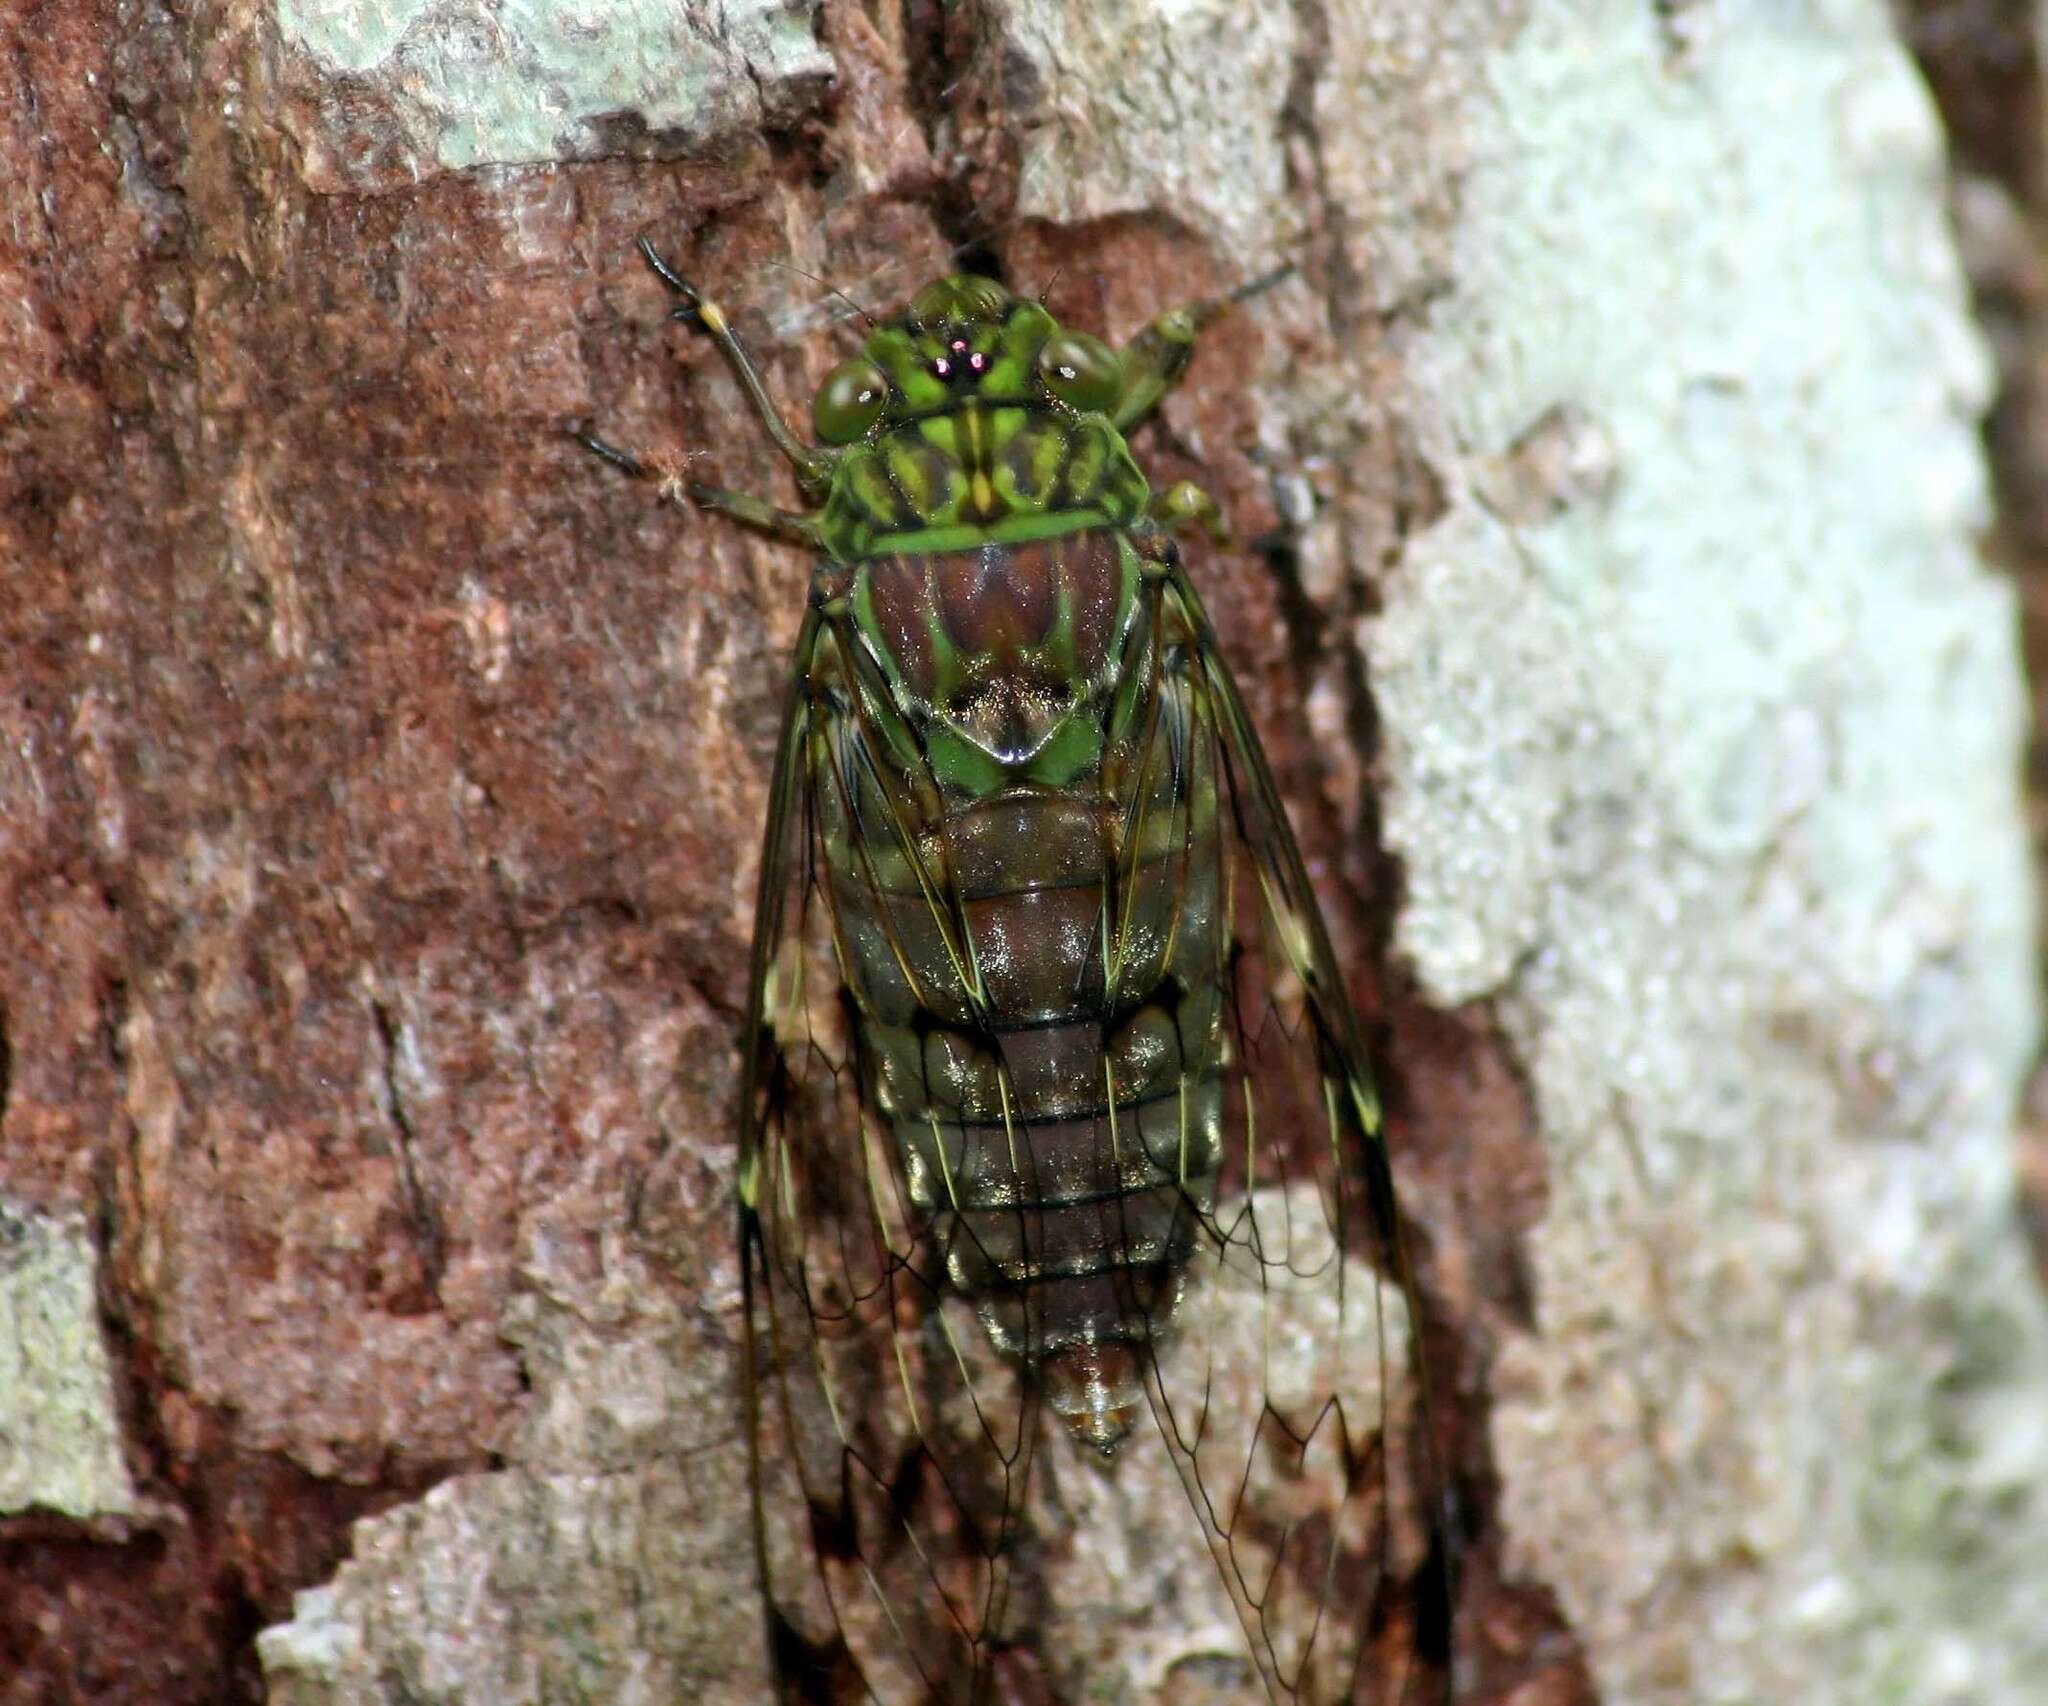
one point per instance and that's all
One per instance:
(890, 1446)
(1291, 1397)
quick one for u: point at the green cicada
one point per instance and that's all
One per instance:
(1053, 1099)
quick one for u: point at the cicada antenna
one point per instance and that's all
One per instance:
(826, 284)
(1263, 283)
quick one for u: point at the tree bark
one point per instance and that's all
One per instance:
(381, 786)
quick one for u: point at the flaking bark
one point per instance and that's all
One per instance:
(382, 782)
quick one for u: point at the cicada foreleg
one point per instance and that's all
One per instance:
(1185, 504)
(813, 466)
(1154, 362)
(1157, 359)
(757, 513)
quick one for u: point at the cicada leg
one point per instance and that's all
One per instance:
(1156, 360)
(813, 467)
(1185, 504)
(757, 513)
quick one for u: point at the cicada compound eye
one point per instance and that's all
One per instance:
(850, 401)
(1081, 371)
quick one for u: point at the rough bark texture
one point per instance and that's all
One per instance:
(381, 782)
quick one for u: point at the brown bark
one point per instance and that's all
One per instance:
(381, 779)
(385, 777)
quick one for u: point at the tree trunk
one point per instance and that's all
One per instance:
(382, 780)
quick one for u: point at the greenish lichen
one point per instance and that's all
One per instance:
(522, 1587)
(520, 82)
(1704, 772)
(60, 1438)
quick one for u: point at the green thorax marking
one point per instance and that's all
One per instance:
(982, 495)
(978, 433)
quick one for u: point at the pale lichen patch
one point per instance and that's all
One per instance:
(1703, 770)
(60, 1436)
(464, 84)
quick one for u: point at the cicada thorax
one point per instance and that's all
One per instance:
(1024, 855)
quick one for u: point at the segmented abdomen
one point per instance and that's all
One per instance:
(1038, 987)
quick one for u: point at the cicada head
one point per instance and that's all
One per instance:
(964, 339)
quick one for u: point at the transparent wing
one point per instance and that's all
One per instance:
(1291, 1396)
(890, 1446)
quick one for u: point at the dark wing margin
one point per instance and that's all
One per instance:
(1293, 1400)
(889, 1447)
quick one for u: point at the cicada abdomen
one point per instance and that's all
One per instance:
(1054, 1103)
(1037, 965)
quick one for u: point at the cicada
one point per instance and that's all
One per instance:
(1054, 1120)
